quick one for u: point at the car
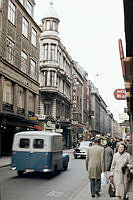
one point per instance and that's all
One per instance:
(81, 150)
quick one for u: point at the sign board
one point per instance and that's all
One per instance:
(120, 94)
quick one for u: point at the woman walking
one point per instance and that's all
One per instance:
(119, 171)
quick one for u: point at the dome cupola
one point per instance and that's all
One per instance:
(50, 22)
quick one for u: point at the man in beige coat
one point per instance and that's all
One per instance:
(95, 166)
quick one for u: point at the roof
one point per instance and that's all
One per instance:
(34, 133)
(51, 13)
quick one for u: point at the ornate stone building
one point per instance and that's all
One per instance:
(19, 58)
(55, 76)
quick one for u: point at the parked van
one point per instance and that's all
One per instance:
(40, 151)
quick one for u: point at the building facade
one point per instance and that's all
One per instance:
(19, 77)
(55, 76)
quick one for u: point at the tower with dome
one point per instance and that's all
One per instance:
(55, 75)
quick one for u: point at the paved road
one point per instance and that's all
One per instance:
(37, 186)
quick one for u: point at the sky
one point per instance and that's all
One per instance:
(90, 29)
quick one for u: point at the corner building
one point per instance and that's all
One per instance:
(55, 76)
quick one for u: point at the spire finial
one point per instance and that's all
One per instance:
(51, 3)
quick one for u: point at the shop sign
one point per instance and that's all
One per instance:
(33, 118)
(120, 94)
(74, 97)
(41, 117)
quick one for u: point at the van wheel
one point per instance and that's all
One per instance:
(66, 167)
(75, 156)
(20, 173)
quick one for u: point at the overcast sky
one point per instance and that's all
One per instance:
(90, 29)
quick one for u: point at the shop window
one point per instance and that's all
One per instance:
(46, 109)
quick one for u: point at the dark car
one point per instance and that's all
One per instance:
(81, 150)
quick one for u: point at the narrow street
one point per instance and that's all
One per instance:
(38, 186)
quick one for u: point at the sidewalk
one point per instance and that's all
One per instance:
(5, 161)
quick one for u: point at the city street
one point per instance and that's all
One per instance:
(35, 186)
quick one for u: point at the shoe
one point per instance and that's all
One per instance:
(97, 193)
(93, 196)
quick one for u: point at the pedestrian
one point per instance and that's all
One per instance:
(119, 171)
(108, 156)
(95, 166)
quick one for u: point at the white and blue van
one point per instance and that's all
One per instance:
(40, 151)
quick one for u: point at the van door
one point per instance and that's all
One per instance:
(22, 155)
(38, 153)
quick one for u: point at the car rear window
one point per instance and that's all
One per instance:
(38, 143)
(24, 143)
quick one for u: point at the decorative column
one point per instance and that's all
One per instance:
(54, 108)
(49, 52)
(48, 78)
(36, 104)
(26, 102)
(15, 98)
(1, 91)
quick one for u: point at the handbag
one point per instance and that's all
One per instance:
(104, 178)
(111, 190)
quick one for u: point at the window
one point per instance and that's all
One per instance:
(46, 52)
(24, 143)
(48, 25)
(9, 51)
(25, 27)
(29, 8)
(31, 102)
(33, 37)
(52, 55)
(33, 69)
(21, 98)
(54, 26)
(0, 3)
(38, 143)
(8, 92)
(24, 62)
(46, 109)
(11, 12)
(45, 78)
(52, 78)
